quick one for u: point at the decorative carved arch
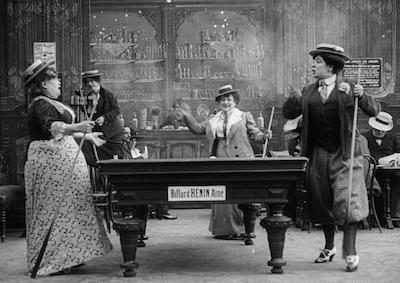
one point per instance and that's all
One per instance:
(154, 19)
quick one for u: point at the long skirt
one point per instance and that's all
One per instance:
(226, 219)
(78, 234)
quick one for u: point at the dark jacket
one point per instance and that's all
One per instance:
(107, 106)
(299, 104)
(388, 146)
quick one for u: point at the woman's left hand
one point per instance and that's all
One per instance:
(268, 134)
(95, 139)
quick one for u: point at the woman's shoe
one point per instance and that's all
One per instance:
(229, 237)
(352, 262)
(326, 255)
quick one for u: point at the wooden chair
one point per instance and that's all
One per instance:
(101, 197)
(369, 181)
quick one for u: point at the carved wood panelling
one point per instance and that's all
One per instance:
(34, 21)
(365, 28)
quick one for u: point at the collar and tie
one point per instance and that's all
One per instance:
(323, 87)
(323, 90)
(225, 120)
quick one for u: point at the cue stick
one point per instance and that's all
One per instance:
(269, 129)
(352, 149)
(46, 239)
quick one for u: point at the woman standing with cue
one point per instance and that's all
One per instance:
(228, 134)
(328, 111)
(62, 226)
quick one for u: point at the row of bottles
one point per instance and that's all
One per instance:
(250, 92)
(249, 71)
(206, 51)
(150, 72)
(219, 35)
(115, 36)
(198, 72)
(150, 51)
(99, 53)
(135, 95)
(244, 71)
(78, 99)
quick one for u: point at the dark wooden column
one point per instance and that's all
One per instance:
(396, 40)
(168, 35)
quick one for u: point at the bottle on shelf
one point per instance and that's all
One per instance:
(178, 71)
(135, 123)
(260, 121)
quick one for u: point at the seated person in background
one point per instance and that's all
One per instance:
(381, 143)
(176, 119)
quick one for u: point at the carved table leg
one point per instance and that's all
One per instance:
(250, 216)
(128, 230)
(387, 200)
(276, 226)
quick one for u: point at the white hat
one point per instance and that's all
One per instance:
(382, 122)
(293, 124)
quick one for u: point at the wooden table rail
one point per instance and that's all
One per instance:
(220, 180)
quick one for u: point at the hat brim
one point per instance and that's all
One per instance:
(318, 52)
(92, 76)
(39, 70)
(379, 126)
(292, 124)
(226, 92)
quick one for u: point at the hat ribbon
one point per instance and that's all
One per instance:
(382, 122)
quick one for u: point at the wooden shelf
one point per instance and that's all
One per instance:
(148, 61)
(117, 81)
(122, 44)
(231, 59)
(205, 78)
(112, 62)
(149, 80)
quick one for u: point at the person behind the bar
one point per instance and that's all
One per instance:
(77, 235)
(176, 119)
(381, 143)
(327, 107)
(228, 134)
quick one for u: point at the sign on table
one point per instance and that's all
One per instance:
(196, 193)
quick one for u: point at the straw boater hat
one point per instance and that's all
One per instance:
(91, 74)
(34, 69)
(293, 124)
(225, 90)
(382, 122)
(325, 48)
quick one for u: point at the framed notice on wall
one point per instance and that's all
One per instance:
(369, 69)
(45, 51)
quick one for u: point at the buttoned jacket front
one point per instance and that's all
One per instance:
(299, 104)
(241, 128)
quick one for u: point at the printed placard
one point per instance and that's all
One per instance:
(371, 71)
(45, 51)
(196, 193)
